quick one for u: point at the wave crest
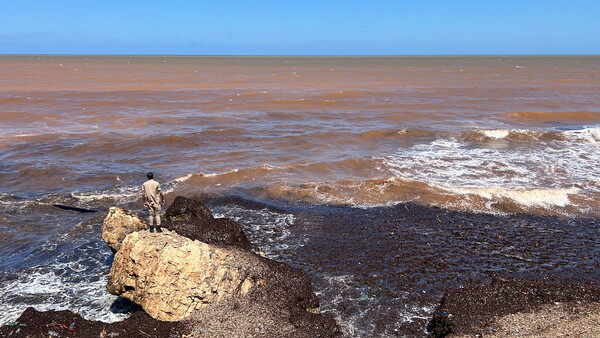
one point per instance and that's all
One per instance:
(394, 190)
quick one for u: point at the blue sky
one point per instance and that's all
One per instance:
(351, 27)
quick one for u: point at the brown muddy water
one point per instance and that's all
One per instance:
(388, 179)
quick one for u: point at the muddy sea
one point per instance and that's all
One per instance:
(387, 179)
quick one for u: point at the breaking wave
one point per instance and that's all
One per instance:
(495, 171)
(396, 190)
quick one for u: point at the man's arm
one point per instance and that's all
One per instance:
(144, 198)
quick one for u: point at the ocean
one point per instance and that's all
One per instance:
(387, 179)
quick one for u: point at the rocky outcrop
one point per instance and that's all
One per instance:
(213, 281)
(193, 220)
(119, 223)
(170, 276)
(185, 216)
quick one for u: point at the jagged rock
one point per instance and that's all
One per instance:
(119, 223)
(190, 218)
(171, 276)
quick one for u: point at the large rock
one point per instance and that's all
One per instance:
(119, 223)
(172, 276)
(190, 218)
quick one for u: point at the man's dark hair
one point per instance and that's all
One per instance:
(150, 175)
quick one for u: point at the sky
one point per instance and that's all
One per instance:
(301, 27)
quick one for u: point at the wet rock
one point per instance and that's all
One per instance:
(190, 218)
(172, 276)
(475, 308)
(187, 208)
(119, 223)
(187, 217)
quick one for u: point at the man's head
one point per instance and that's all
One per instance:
(150, 175)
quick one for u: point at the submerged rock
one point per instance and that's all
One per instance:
(119, 223)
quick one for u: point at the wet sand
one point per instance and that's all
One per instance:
(560, 320)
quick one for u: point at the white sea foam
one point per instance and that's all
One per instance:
(589, 136)
(120, 194)
(497, 133)
(74, 278)
(18, 135)
(536, 174)
(269, 230)
(271, 167)
(182, 178)
(48, 291)
(342, 289)
(530, 198)
(18, 205)
(595, 133)
(233, 171)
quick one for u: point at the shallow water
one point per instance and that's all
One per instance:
(387, 179)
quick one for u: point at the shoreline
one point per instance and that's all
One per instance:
(427, 252)
(505, 307)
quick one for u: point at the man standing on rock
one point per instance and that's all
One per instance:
(153, 197)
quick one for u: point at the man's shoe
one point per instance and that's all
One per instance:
(158, 229)
(151, 228)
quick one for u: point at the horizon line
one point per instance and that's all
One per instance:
(292, 55)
